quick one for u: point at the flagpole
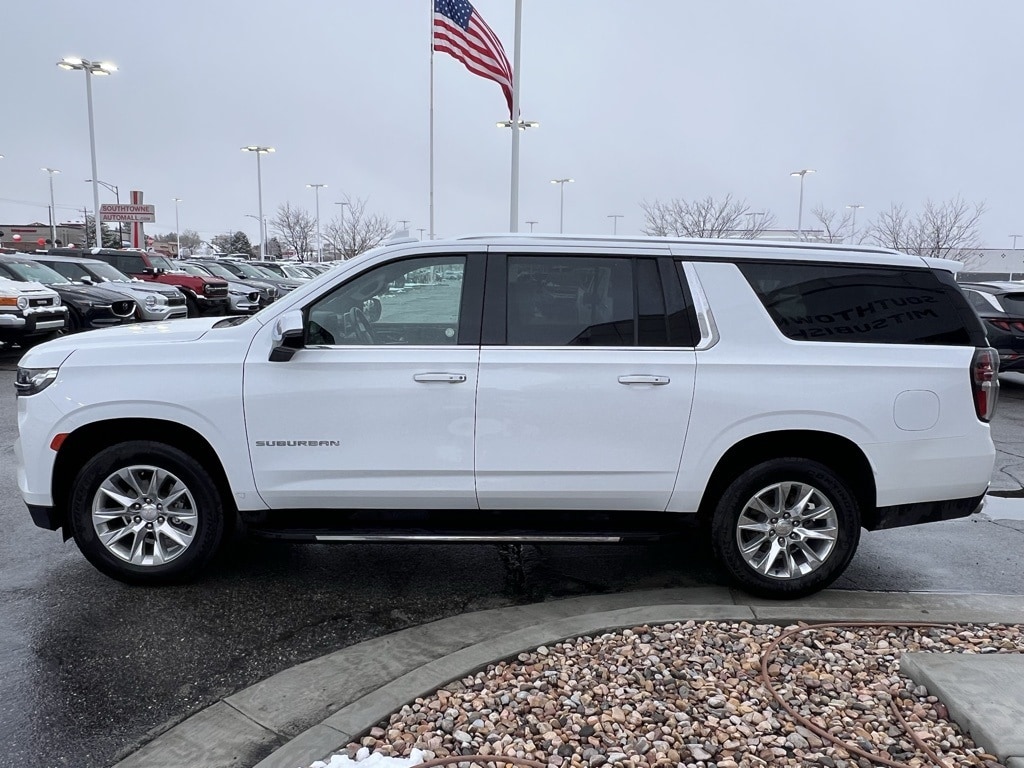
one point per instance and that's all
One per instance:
(514, 201)
(431, 119)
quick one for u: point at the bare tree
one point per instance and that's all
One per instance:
(833, 225)
(357, 231)
(296, 228)
(946, 230)
(708, 217)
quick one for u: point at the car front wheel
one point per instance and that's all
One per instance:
(786, 528)
(146, 513)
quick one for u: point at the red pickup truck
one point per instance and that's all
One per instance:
(203, 295)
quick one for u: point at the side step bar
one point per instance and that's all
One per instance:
(472, 538)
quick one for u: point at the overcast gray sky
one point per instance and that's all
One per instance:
(649, 99)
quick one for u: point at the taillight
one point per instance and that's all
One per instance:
(985, 382)
(1008, 325)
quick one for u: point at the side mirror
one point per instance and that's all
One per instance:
(86, 280)
(288, 336)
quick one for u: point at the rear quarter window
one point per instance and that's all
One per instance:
(858, 304)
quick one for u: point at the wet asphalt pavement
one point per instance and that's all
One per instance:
(91, 668)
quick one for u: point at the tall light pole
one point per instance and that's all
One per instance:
(262, 224)
(1013, 236)
(853, 227)
(561, 200)
(177, 227)
(421, 230)
(319, 247)
(100, 69)
(53, 209)
(800, 215)
(615, 222)
(259, 188)
(404, 223)
(341, 226)
(117, 197)
(531, 223)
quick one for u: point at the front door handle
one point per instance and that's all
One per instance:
(659, 380)
(447, 378)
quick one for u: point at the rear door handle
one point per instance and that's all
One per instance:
(447, 378)
(660, 380)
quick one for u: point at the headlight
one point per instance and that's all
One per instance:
(236, 293)
(56, 300)
(23, 302)
(32, 381)
(153, 300)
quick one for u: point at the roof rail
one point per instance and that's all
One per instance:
(733, 242)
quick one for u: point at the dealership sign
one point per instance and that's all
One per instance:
(127, 212)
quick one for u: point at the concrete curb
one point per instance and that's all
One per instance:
(311, 710)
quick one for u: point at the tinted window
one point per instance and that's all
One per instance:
(414, 301)
(1013, 303)
(824, 302)
(569, 300)
(70, 270)
(127, 263)
(983, 302)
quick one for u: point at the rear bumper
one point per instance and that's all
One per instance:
(924, 512)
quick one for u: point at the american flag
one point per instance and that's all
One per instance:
(460, 32)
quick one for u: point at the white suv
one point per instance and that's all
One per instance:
(521, 388)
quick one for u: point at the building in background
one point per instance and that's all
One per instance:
(28, 237)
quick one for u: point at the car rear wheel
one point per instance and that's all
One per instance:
(146, 513)
(786, 528)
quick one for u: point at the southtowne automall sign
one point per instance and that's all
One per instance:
(127, 212)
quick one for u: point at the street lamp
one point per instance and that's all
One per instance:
(100, 69)
(117, 197)
(316, 191)
(341, 225)
(800, 214)
(853, 226)
(404, 223)
(177, 227)
(531, 223)
(561, 200)
(262, 224)
(53, 208)
(615, 222)
(259, 187)
(1013, 236)
(523, 124)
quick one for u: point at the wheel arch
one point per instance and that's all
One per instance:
(86, 441)
(839, 454)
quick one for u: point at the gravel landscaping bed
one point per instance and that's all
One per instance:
(692, 694)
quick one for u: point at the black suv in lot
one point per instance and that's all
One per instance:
(1000, 305)
(88, 306)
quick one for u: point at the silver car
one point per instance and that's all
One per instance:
(154, 301)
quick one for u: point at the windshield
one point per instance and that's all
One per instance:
(160, 262)
(39, 273)
(104, 271)
(297, 272)
(248, 270)
(194, 269)
(220, 271)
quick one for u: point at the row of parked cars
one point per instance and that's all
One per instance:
(45, 294)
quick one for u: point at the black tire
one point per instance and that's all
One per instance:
(192, 306)
(768, 482)
(200, 515)
(74, 324)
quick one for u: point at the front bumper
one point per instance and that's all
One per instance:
(31, 321)
(241, 305)
(162, 313)
(103, 317)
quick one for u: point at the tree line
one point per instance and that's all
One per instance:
(946, 229)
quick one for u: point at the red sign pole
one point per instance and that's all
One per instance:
(138, 234)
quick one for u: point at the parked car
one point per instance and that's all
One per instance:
(285, 269)
(203, 295)
(29, 312)
(529, 388)
(88, 306)
(253, 272)
(1000, 305)
(153, 301)
(244, 299)
(267, 290)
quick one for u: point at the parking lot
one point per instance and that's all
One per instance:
(89, 667)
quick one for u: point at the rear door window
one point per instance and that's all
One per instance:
(841, 303)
